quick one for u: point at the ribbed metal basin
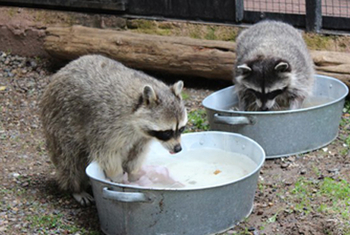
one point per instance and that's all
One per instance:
(130, 210)
(282, 133)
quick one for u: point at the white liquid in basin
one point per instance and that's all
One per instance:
(311, 101)
(203, 167)
(316, 101)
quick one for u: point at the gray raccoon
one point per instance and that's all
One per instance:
(97, 109)
(274, 70)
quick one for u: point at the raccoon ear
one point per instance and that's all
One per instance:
(282, 67)
(244, 68)
(177, 88)
(149, 95)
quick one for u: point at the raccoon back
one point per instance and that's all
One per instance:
(93, 97)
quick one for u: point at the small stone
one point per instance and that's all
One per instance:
(260, 212)
(335, 170)
(15, 174)
(284, 165)
(25, 156)
(33, 64)
(303, 171)
(251, 229)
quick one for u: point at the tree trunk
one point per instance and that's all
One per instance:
(173, 55)
(334, 64)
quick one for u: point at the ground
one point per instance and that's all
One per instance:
(304, 194)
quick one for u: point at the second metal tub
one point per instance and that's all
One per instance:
(282, 133)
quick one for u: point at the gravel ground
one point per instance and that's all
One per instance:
(292, 197)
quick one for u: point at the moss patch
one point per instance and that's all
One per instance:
(198, 31)
(317, 42)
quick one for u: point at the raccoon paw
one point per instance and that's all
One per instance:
(83, 198)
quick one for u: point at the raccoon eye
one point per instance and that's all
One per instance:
(256, 93)
(273, 94)
(167, 134)
(182, 129)
(162, 135)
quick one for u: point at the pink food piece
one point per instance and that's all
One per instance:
(153, 175)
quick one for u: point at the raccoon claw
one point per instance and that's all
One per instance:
(84, 198)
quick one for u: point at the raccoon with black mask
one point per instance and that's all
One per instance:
(274, 70)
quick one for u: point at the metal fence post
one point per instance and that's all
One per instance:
(313, 15)
(239, 10)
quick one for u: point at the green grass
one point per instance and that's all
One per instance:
(345, 123)
(197, 31)
(197, 121)
(49, 222)
(335, 195)
(245, 232)
(185, 96)
(210, 35)
(304, 195)
(317, 42)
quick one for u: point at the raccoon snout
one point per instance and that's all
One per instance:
(177, 148)
(264, 108)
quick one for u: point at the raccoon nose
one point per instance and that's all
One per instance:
(177, 148)
(264, 108)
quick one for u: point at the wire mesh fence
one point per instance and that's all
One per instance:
(279, 6)
(336, 8)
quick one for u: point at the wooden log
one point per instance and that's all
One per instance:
(334, 64)
(173, 55)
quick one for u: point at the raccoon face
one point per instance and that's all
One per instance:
(171, 138)
(164, 116)
(262, 82)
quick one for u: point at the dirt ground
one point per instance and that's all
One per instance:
(290, 198)
(305, 194)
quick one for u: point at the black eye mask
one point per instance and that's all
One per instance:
(269, 95)
(167, 134)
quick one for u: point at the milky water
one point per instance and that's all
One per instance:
(203, 167)
(316, 101)
(309, 102)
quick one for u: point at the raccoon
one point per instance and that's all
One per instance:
(274, 70)
(97, 109)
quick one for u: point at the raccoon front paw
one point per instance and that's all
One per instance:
(84, 198)
(135, 176)
(120, 178)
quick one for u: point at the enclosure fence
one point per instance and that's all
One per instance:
(314, 15)
(325, 14)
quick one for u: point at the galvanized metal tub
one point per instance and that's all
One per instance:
(282, 133)
(125, 209)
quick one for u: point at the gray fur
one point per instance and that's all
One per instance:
(97, 109)
(272, 55)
